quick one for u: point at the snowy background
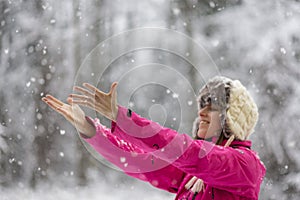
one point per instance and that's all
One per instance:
(48, 46)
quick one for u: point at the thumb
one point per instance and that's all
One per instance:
(113, 91)
(114, 103)
(113, 86)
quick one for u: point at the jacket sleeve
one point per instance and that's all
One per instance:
(142, 132)
(225, 168)
(133, 160)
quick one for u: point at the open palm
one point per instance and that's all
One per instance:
(72, 112)
(92, 97)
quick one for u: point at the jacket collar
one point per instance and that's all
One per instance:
(239, 143)
(234, 143)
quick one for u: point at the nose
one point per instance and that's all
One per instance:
(203, 112)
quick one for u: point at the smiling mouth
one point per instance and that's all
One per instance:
(204, 122)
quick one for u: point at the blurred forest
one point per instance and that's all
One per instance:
(48, 46)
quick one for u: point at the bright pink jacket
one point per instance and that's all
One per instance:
(168, 160)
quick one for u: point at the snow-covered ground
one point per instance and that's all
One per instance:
(94, 191)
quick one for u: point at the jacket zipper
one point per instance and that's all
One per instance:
(212, 193)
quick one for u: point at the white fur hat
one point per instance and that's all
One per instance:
(242, 113)
(238, 110)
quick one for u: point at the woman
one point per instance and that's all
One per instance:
(217, 164)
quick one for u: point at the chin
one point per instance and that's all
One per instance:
(201, 135)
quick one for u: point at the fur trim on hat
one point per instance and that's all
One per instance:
(242, 113)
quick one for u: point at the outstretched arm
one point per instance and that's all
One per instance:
(128, 157)
(134, 161)
(137, 131)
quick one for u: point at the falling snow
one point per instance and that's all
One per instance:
(190, 103)
(62, 132)
(175, 96)
(46, 51)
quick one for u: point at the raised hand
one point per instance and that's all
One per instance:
(73, 113)
(92, 97)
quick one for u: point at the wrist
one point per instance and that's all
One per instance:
(88, 127)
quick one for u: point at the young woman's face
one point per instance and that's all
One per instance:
(210, 123)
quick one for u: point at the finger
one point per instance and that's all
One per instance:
(201, 185)
(79, 97)
(44, 99)
(114, 94)
(198, 185)
(57, 108)
(83, 91)
(53, 103)
(113, 87)
(190, 183)
(65, 113)
(82, 98)
(93, 88)
(83, 103)
(55, 100)
(71, 102)
(48, 96)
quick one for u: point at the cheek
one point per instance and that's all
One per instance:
(215, 122)
(215, 126)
